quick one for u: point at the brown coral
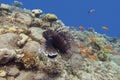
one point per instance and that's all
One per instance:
(29, 60)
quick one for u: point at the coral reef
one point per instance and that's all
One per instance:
(38, 46)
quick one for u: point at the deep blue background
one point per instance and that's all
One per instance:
(75, 13)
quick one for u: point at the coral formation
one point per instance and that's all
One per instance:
(36, 12)
(50, 18)
(29, 60)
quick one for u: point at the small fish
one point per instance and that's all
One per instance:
(84, 52)
(91, 11)
(109, 47)
(105, 28)
(93, 57)
(81, 27)
(89, 51)
(82, 47)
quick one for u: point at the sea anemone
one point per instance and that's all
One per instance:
(58, 41)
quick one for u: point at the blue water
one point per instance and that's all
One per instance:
(75, 13)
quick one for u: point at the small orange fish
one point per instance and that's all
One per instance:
(93, 57)
(82, 47)
(104, 28)
(89, 51)
(81, 27)
(83, 51)
(109, 47)
(92, 39)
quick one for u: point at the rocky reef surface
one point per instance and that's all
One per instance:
(38, 46)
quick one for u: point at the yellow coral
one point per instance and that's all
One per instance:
(50, 17)
(11, 29)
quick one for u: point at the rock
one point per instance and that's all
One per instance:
(13, 71)
(64, 76)
(5, 40)
(6, 55)
(116, 59)
(45, 25)
(22, 18)
(75, 46)
(111, 39)
(115, 66)
(2, 73)
(76, 60)
(41, 76)
(2, 78)
(118, 76)
(37, 33)
(25, 76)
(74, 78)
(31, 47)
(86, 76)
(36, 22)
(5, 6)
(10, 78)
